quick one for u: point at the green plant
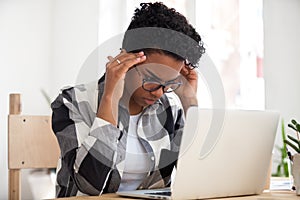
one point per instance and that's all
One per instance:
(282, 168)
(293, 142)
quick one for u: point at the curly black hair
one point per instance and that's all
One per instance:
(155, 27)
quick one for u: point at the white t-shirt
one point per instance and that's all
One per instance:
(136, 161)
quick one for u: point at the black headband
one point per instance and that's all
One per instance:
(163, 39)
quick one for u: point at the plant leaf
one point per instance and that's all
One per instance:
(292, 145)
(283, 137)
(285, 169)
(298, 127)
(278, 171)
(293, 139)
(291, 126)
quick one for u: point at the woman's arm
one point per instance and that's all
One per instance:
(88, 147)
(188, 91)
(89, 150)
(116, 70)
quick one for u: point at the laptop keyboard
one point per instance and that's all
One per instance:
(160, 193)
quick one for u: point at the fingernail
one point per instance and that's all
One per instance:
(141, 53)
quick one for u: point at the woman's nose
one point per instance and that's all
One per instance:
(158, 93)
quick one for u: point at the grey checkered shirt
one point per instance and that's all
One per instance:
(93, 150)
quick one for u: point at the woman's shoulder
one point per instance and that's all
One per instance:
(81, 93)
(84, 87)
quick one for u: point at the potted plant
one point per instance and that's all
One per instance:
(282, 169)
(294, 143)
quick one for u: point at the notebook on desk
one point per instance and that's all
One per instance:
(223, 153)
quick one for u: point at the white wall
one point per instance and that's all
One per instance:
(281, 58)
(25, 42)
(75, 36)
(42, 46)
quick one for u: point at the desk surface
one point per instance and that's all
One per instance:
(267, 195)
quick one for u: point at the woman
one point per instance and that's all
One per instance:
(124, 132)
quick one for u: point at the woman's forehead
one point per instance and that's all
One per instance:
(163, 59)
(163, 66)
(158, 71)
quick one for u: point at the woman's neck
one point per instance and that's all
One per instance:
(134, 108)
(130, 104)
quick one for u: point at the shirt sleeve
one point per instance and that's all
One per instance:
(88, 144)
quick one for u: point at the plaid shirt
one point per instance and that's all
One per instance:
(93, 151)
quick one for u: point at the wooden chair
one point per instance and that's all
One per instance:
(31, 145)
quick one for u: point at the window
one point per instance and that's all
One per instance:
(233, 33)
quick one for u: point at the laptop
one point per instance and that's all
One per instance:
(223, 153)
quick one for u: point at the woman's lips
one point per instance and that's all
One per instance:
(149, 101)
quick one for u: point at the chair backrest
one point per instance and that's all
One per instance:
(31, 144)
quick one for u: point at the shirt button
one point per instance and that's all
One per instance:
(152, 158)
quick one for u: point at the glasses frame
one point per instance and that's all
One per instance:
(160, 85)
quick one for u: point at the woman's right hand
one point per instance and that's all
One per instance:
(116, 70)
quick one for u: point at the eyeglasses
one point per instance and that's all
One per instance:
(189, 65)
(150, 84)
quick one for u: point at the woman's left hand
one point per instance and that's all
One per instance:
(190, 82)
(187, 92)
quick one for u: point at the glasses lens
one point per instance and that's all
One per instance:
(171, 87)
(151, 86)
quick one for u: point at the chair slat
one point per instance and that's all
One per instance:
(31, 142)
